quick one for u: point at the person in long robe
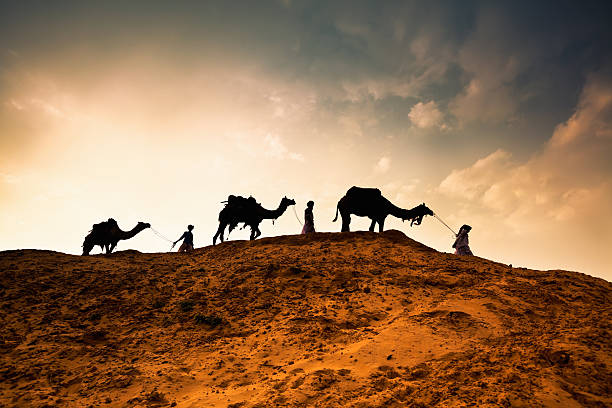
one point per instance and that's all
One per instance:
(308, 219)
(462, 243)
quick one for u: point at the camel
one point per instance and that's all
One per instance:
(107, 234)
(369, 202)
(248, 211)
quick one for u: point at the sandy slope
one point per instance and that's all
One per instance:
(348, 319)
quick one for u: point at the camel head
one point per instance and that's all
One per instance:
(425, 210)
(87, 247)
(421, 211)
(142, 225)
(286, 202)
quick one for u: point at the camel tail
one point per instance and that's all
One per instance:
(335, 219)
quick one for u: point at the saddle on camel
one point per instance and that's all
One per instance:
(248, 211)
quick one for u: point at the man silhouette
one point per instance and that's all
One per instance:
(187, 238)
(308, 218)
(462, 243)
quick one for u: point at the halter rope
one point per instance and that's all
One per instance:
(296, 216)
(162, 237)
(445, 224)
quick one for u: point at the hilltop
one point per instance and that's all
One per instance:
(330, 319)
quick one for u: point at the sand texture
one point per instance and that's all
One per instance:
(326, 320)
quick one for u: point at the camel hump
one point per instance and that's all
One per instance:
(103, 226)
(358, 192)
(239, 201)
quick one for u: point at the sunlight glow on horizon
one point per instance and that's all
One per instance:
(161, 125)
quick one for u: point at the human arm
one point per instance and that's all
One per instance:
(457, 239)
(182, 237)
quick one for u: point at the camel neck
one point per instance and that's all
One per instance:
(397, 211)
(131, 233)
(413, 212)
(269, 214)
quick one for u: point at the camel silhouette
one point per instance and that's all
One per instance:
(107, 234)
(369, 202)
(248, 211)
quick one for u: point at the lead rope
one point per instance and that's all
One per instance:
(445, 224)
(296, 216)
(162, 237)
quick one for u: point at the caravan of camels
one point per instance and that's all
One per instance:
(362, 202)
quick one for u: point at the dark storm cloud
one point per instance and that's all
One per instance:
(525, 62)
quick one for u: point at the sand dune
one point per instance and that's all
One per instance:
(331, 319)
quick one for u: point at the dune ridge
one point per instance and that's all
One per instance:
(355, 319)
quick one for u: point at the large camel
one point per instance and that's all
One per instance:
(248, 211)
(107, 234)
(369, 202)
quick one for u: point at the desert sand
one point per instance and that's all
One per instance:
(354, 319)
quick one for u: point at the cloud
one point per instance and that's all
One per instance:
(274, 147)
(480, 179)
(574, 161)
(563, 190)
(15, 105)
(484, 100)
(494, 55)
(425, 115)
(10, 178)
(591, 121)
(37, 104)
(383, 165)
(401, 192)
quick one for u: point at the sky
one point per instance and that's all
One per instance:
(494, 114)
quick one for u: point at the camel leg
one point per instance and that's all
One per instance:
(112, 247)
(219, 233)
(381, 225)
(346, 221)
(255, 232)
(223, 232)
(372, 225)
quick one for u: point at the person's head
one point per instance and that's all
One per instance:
(190, 227)
(466, 228)
(310, 204)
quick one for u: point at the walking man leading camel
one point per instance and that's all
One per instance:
(187, 238)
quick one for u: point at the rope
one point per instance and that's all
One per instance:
(445, 224)
(296, 216)
(162, 237)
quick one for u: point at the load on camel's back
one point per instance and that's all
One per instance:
(369, 202)
(107, 234)
(249, 212)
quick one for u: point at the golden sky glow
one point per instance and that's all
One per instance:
(157, 113)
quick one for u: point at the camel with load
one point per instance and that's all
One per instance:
(107, 234)
(248, 211)
(369, 202)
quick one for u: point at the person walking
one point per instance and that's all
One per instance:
(187, 238)
(308, 218)
(462, 243)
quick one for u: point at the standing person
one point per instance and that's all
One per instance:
(187, 238)
(462, 243)
(308, 218)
